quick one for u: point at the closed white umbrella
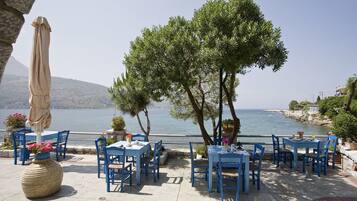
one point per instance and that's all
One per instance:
(40, 78)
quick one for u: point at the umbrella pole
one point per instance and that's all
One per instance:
(38, 131)
(38, 137)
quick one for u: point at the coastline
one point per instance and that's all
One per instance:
(307, 117)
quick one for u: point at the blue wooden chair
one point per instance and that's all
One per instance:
(20, 145)
(198, 166)
(230, 161)
(61, 144)
(152, 166)
(139, 137)
(333, 145)
(115, 167)
(280, 153)
(318, 158)
(256, 163)
(100, 143)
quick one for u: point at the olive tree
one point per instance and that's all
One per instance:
(168, 59)
(236, 37)
(132, 97)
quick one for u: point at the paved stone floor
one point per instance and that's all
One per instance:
(80, 182)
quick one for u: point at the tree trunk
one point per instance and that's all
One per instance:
(350, 95)
(140, 124)
(199, 115)
(148, 124)
(229, 94)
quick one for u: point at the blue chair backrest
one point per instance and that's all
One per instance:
(333, 142)
(191, 152)
(19, 137)
(230, 160)
(258, 154)
(275, 140)
(323, 147)
(100, 144)
(157, 152)
(62, 136)
(114, 155)
(139, 137)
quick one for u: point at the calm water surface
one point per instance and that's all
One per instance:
(254, 122)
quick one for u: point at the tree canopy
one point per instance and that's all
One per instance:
(180, 61)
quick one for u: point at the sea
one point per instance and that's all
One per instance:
(253, 122)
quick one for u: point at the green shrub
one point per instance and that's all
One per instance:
(111, 141)
(118, 123)
(331, 105)
(345, 126)
(293, 105)
(202, 150)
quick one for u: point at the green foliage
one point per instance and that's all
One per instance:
(129, 95)
(354, 108)
(345, 126)
(330, 106)
(304, 105)
(118, 123)
(111, 141)
(202, 150)
(236, 36)
(318, 99)
(15, 120)
(180, 60)
(294, 105)
(349, 86)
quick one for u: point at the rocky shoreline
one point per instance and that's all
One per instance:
(306, 117)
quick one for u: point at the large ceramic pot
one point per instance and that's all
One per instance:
(42, 178)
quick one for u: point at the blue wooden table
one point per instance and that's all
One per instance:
(135, 150)
(296, 144)
(213, 151)
(45, 136)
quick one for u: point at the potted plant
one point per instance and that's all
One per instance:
(118, 126)
(201, 151)
(345, 127)
(43, 177)
(228, 126)
(13, 122)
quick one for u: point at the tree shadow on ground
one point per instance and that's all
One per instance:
(283, 184)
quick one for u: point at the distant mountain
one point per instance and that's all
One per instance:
(65, 93)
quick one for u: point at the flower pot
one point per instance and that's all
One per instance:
(42, 156)
(42, 178)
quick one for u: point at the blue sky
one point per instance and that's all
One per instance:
(89, 39)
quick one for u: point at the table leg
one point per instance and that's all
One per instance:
(138, 170)
(210, 164)
(246, 175)
(295, 157)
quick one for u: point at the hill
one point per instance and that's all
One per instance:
(65, 93)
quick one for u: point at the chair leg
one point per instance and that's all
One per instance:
(15, 157)
(238, 189)
(192, 177)
(107, 181)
